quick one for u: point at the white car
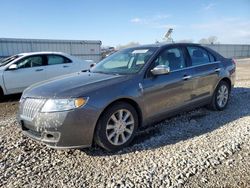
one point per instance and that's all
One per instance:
(22, 70)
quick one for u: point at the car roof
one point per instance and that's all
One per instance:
(164, 44)
(41, 53)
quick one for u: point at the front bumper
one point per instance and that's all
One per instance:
(68, 129)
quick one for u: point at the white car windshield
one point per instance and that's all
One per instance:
(8, 60)
(128, 61)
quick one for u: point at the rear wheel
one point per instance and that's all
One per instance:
(116, 127)
(220, 97)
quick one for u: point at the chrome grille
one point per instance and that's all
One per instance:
(30, 107)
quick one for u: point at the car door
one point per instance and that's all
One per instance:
(30, 70)
(169, 92)
(58, 65)
(205, 72)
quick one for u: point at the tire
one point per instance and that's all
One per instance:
(218, 103)
(1, 94)
(116, 127)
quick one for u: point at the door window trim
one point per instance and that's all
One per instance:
(215, 62)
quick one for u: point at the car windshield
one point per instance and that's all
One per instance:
(8, 60)
(128, 61)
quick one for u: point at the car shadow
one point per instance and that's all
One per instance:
(11, 98)
(184, 126)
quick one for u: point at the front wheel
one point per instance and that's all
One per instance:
(220, 97)
(116, 127)
(1, 94)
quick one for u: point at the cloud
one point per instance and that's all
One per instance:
(136, 20)
(161, 16)
(167, 26)
(209, 6)
(152, 21)
(228, 30)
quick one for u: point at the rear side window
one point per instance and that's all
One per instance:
(57, 59)
(198, 55)
(211, 57)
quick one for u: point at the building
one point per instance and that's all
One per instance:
(84, 49)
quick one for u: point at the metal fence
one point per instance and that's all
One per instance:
(84, 49)
(231, 50)
(91, 49)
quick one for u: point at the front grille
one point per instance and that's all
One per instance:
(30, 107)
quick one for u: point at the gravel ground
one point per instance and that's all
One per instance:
(200, 148)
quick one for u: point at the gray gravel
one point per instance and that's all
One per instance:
(187, 150)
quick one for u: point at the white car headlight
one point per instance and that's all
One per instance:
(57, 105)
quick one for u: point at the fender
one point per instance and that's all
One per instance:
(2, 85)
(2, 70)
(224, 78)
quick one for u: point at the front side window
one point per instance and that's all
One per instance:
(198, 55)
(57, 59)
(33, 61)
(173, 58)
(128, 61)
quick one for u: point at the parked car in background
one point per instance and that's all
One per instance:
(130, 89)
(22, 70)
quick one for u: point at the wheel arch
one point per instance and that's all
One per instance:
(227, 80)
(125, 100)
(129, 101)
(212, 104)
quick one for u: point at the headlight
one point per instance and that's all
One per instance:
(57, 105)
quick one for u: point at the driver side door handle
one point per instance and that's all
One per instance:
(38, 70)
(217, 70)
(186, 77)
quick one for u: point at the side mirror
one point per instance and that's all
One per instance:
(92, 65)
(13, 67)
(160, 69)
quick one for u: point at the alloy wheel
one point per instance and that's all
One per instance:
(222, 96)
(120, 127)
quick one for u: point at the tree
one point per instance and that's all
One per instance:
(203, 41)
(130, 44)
(209, 40)
(186, 41)
(212, 39)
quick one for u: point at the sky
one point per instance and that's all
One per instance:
(118, 22)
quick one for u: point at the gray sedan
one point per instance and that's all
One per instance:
(132, 88)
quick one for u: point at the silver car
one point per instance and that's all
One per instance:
(132, 88)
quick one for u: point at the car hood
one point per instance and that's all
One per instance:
(72, 85)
